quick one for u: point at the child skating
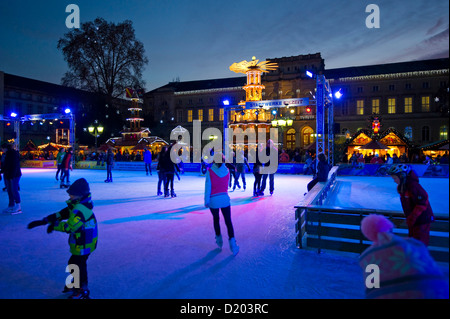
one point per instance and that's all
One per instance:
(78, 220)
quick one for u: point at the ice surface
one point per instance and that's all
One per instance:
(152, 247)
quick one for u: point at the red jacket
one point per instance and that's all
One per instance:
(415, 202)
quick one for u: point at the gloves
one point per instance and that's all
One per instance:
(50, 228)
(417, 211)
(37, 223)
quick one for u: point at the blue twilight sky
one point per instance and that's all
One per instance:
(200, 39)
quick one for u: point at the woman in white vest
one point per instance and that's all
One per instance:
(217, 198)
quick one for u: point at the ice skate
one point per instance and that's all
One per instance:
(219, 241)
(80, 294)
(8, 210)
(159, 193)
(172, 194)
(16, 209)
(233, 246)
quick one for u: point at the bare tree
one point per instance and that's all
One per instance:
(103, 57)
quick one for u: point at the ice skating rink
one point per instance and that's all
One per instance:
(155, 247)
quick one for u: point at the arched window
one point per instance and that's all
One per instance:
(290, 139)
(307, 136)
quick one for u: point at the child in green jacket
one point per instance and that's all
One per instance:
(78, 220)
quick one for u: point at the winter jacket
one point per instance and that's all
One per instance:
(59, 157)
(147, 157)
(109, 159)
(216, 187)
(81, 225)
(415, 202)
(165, 163)
(11, 165)
(67, 161)
(322, 171)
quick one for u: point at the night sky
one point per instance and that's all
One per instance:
(200, 39)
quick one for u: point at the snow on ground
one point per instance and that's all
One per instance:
(155, 247)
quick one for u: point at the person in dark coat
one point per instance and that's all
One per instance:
(66, 166)
(169, 167)
(12, 173)
(109, 165)
(414, 200)
(270, 147)
(160, 170)
(322, 172)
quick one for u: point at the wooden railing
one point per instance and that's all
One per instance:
(337, 228)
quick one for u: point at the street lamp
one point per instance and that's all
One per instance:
(96, 131)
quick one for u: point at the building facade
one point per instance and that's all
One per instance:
(410, 97)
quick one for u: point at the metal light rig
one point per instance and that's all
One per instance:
(324, 118)
(68, 115)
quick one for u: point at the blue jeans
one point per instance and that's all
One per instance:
(12, 185)
(271, 182)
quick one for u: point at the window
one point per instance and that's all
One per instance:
(408, 133)
(408, 104)
(425, 85)
(426, 133)
(211, 115)
(179, 116)
(391, 87)
(425, 104)
(391, 105)
(360, 107)
(359, 89)
(200, 115)
(189, 115)
(308, 136)
(376, 106)
(375, 88)
(443, 132)
(220, 114)
(344, 109)
(408, 86)
(290, 139)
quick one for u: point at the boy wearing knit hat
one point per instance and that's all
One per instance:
(81, 225)
(405, 268)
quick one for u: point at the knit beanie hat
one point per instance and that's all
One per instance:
(373, 225)
(79, 188)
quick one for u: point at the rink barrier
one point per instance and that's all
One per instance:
(337, 228)
(315, 196)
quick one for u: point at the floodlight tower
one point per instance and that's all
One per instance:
(324, 116)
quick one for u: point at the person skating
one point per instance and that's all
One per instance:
(169, 167)
(109, 165)
(11, 171)
(66, 166)
(270, 147)
(148, 161)
(81, 225)
(241, 163)
(160, 170)
(414, 200)
(59, 158)
(217, 199)
(257, 174)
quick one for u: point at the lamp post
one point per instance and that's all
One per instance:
(95, 130)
